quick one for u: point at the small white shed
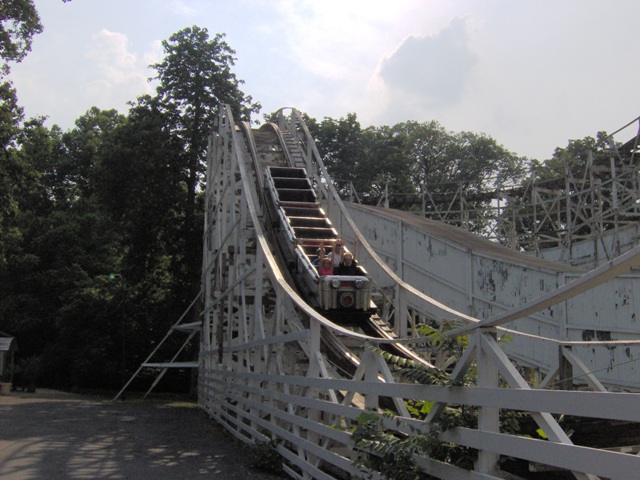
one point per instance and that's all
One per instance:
(8, 347)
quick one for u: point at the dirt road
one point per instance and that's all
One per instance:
(55, 436)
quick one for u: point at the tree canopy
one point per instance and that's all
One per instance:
(19, 23)
(408, 158)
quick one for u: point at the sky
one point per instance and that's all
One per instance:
(531, 74)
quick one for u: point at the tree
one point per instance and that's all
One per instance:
(114, 194)
(138, 182)
(568, 182)
(383, 167)
(428, 153)
(51, 282)
(10, 115)
(480, 163)
(573, 158)
(195, 79)
(82, 145)
(340, 144)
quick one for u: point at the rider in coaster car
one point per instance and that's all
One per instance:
(320, 254)
(348, 266)
(336, 253)
(325, 268)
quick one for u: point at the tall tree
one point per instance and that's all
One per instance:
(195, 78)
(82, 145)
(572, 159)
(444, 162)
(138, 181)
(10, 116)
(479, 162)
(384, 166)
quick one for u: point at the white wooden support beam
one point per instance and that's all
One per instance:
(368, 358)
(545, 420)
(578, 364)
(488, 417)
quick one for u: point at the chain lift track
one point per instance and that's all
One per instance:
(273, 369)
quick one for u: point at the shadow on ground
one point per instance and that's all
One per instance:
(62, 436)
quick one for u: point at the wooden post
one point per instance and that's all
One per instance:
(565, 370)
(488, 417)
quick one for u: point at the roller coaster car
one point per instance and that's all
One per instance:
(302, 227)
(344, 292)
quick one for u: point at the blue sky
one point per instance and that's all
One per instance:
(531, 74)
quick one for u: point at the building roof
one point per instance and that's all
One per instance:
(6, 343)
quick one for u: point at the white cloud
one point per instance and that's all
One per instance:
(336, 47)
(184, 8)
(430, 71)
(324, 40)
(122, 74)
(110, 52)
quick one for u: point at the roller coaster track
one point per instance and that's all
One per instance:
(271, 366)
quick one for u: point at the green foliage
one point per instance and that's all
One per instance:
(386, 453)
(195, 76)
(384, 166)
(419, 408)
(412, 370)
(19, 24)
(391, 453)
(10, 116)
(445, 349)
(195, 79)
(564, 174)
(408, 159)
(10, 170)
(573, 158)
(340, 141)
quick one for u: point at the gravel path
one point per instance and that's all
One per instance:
(54, 436)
